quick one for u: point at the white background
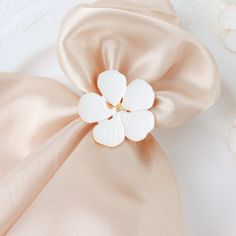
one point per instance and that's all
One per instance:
(198, 151)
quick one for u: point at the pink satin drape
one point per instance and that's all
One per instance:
(54, 179)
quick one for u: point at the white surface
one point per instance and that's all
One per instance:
(232, 138)
(198, 150)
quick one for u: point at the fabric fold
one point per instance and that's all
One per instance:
(31, 111)
(130, 190)
(117, 35)
(25, 181)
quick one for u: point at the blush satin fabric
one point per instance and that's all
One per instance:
(54, 179)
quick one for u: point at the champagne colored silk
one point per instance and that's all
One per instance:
(54, 179)
(32, 110)
(101, 192)
(141, 44)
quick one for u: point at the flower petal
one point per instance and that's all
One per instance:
(230, 40)
(93, 108)
(112, 85)
(109, 132)
(139, 96)
(227, 18)
(137, 124)
(232, 139)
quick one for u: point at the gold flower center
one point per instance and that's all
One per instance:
(118, 107)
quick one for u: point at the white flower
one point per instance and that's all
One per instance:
(227, 21)
(121, 111)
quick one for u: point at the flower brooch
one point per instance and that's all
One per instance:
(122, 111)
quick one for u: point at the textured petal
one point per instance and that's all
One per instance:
(109, 132)
(112, 85)
(93, 108)
(139, 96)
(232, 139)
(137, 124)
(230, 40)
(227, 18)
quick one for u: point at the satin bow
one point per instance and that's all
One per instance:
(54, 179)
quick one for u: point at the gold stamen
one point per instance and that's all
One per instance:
(118, 107)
